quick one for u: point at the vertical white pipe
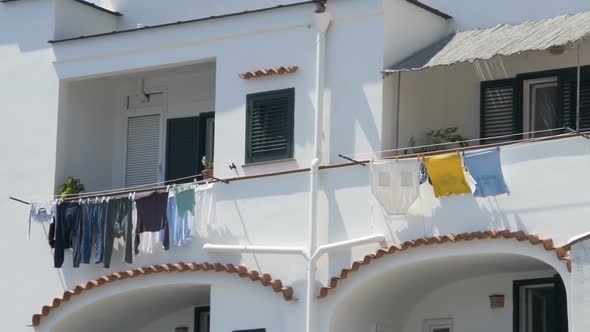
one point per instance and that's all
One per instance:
(578, 91)
(397, 110)
(321, 22)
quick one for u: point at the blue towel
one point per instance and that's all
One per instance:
(485, 168)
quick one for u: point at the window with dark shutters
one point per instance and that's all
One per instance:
(499, 111)
(569, 95)
(269, 126)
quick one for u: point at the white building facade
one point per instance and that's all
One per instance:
(131, 93)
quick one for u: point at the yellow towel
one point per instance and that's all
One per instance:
(447, 174)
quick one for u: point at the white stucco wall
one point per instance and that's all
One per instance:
(73, 19)
(293, 43)
(467, 303)
(28, 103)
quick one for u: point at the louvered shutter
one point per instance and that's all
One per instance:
(569, 102)
(500, 114)
(143, 150)
(269, 131)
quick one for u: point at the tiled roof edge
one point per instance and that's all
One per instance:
(561, 252)
(241, 271)
(268, 72)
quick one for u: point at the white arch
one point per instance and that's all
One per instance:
(94, 296)
(430, 254)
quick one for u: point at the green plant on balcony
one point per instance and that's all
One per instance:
(438, 138)
(71, 187)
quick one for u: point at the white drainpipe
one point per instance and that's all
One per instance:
(321, 23)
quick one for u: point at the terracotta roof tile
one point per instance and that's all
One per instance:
(561, 252)
(268, 72)
(243, 272)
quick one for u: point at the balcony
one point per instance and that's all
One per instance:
(135, 129)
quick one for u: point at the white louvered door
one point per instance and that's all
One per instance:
(143, 153)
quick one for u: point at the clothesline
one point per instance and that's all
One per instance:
(373, 153)
(161, 185)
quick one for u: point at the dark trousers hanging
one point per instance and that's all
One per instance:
(68, 233)
(118, 224)
(93, 221)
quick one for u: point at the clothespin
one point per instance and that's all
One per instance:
(96, 200)
(167, 188)
(80, 201)
(397, 158)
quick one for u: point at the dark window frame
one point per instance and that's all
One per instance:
(557, 283)
(289, 151)
(198, 312)
(563, 75)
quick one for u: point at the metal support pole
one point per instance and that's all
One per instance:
(399, 84)
(578, 91)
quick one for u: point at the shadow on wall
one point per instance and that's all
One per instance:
(192, 252)
(352, 115)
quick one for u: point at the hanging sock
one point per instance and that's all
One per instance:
(447, 175)
(395, 184)
(486, 169)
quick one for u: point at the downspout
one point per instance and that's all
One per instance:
(321, 21)
(578, 91)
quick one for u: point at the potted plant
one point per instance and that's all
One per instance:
(208, 167)
(71, 188)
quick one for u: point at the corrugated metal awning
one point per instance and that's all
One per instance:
(483, 44)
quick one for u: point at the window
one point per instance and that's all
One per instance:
(142, 161)
(540, 305)
(541, 105)
(189, 140)
(269, 126)
(202, 319)
(533, 102)
(438, 325)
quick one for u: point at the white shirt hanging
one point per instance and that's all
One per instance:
(395, 184)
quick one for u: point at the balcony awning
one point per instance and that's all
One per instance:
(505, 39)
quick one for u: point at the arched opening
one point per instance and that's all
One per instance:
(441, 290)
(152, 309)
(201, 297)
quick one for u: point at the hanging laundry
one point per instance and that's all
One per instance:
(181, 214)
(447, 175)
(151, 219)
(68, 232)
(118, 224)
(93, 222)
(205, 208)
(41, 212)
(486, 169)
(395, 184)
